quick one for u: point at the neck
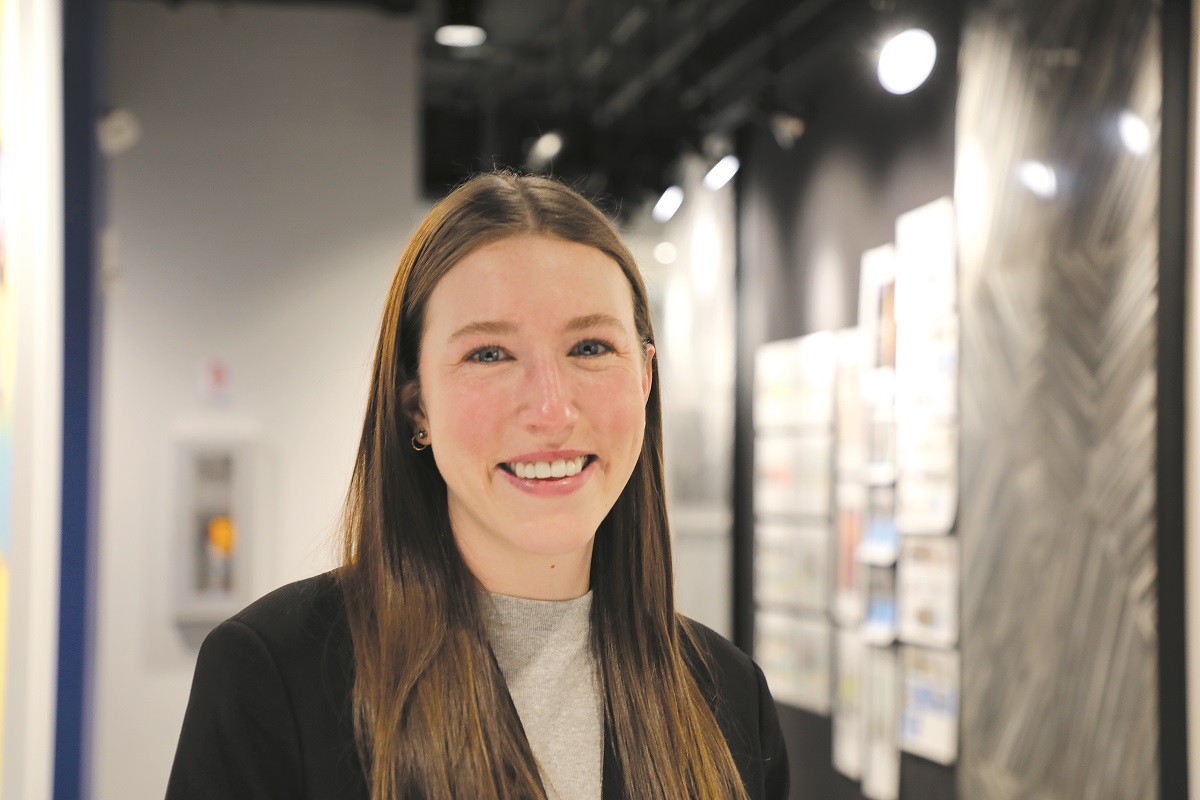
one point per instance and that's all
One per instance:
(565, 576)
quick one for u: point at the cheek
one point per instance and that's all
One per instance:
(466, 420)
(617, 408)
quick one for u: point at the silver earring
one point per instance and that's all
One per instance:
(417, 444)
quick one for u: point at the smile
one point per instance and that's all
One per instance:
(548, 470)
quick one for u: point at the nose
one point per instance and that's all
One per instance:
(551, 397)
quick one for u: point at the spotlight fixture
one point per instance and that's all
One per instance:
(786, 128)
(668, 204)
(721, 173)
(544, 150)
(906, 61)
(461, 27)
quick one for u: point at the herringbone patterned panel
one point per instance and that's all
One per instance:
(1059, 304)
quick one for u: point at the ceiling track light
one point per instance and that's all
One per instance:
(544, 150)
(721, 173)
(461, 26)
(907, 60)
(668, 204)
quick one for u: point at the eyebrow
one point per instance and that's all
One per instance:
(497, 327)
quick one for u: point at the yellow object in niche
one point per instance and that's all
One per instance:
(221, 534)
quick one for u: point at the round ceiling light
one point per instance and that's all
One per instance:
(460, 35)
(906, 61)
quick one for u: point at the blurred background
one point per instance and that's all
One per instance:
(920, 280)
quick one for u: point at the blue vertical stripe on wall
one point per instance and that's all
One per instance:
(83, 31)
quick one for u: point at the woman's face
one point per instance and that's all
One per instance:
(533, 391)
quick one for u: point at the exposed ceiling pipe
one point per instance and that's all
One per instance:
(624, 99)
(745, 57)
(626, 28)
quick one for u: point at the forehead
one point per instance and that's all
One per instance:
(527, 278)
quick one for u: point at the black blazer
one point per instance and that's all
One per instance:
(270, 709)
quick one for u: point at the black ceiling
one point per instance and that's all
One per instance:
(630, 83)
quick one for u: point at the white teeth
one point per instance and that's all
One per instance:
(562, 468)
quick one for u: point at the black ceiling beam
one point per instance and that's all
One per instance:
(735, 53)
(713, 15)
(387, 6)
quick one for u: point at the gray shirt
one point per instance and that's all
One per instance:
(543, 649)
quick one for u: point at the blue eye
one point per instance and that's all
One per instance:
(486, 355)
(592, 348)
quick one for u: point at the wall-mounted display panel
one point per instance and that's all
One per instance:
(794, 654)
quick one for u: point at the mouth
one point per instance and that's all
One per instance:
(548, 470)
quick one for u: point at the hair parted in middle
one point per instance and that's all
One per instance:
(432, 715)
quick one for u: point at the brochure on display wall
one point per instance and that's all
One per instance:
(849, 585)
(929, 704)
(849, 729)
(927, 489)
(881, 753)
(850, 426)
(927, 370)
(793, 475)
(791, 565)
(927, 590)
(880, 544)
(879, 405)
(794, 383)
(927, 286)
(926, 504)
(877, 305)
(879, 628)
(793, 652)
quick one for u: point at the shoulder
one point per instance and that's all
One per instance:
(727, 677)
(297, 610)
(300, 632)
(738, 695)
(729, 666)
(270, 707)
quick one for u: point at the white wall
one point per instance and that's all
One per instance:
(693, 298)
(32, 198)
(257, 221)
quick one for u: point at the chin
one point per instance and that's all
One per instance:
(544, 542)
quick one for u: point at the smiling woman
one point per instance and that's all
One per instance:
(503, 625)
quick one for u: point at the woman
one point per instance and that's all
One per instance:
(503, 625)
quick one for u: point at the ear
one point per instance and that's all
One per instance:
(648, 377)
(412, 405)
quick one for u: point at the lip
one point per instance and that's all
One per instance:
(556, 487)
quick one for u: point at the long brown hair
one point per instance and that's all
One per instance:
(432, 717)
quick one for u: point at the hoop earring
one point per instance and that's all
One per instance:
(416, 440)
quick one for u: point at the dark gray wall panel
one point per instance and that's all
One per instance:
(1059, 318)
